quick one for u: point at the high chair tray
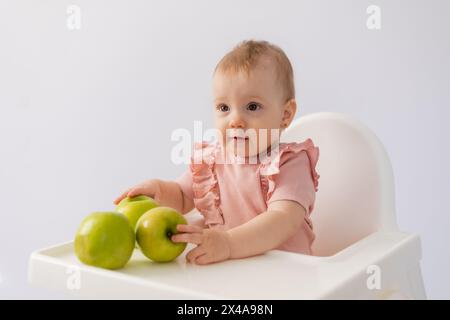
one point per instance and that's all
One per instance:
(274, 275)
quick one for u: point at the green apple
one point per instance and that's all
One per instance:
(134, 208)
(105, 239)
(154, 231)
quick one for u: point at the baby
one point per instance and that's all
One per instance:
(254, 192)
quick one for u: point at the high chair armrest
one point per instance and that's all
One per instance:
(382, 265)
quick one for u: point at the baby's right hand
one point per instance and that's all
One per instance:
(149, 188)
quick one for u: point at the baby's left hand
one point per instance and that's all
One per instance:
(212, 245)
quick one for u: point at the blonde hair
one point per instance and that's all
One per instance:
(245, 56)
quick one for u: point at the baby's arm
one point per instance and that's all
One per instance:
(166, 193)
(172, 196)
(266, 231)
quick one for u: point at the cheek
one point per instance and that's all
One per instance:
(218, 122)
(268, 123)
(275, 119)
(220, 130)
(267, 120)
(266, 137)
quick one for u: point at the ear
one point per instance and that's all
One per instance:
(290, 108)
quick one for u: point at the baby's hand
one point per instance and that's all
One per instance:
(212, 245)
(149, 188)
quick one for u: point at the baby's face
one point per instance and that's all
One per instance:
(251, 104)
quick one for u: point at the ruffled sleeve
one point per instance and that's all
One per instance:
(206, 195)
(290, 174)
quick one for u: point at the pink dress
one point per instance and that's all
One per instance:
(230, 194)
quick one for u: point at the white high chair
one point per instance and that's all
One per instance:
(359, 253)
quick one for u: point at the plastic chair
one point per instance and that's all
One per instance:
(359, 253)
(356, 187)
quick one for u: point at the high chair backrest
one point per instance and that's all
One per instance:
(355, 195)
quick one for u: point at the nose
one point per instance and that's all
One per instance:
(237, 121)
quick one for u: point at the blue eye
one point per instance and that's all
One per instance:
(253, 106)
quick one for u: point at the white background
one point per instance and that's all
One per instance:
(87, 113)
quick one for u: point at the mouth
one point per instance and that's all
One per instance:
(235, 138)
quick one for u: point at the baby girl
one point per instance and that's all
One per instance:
(254, 192)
